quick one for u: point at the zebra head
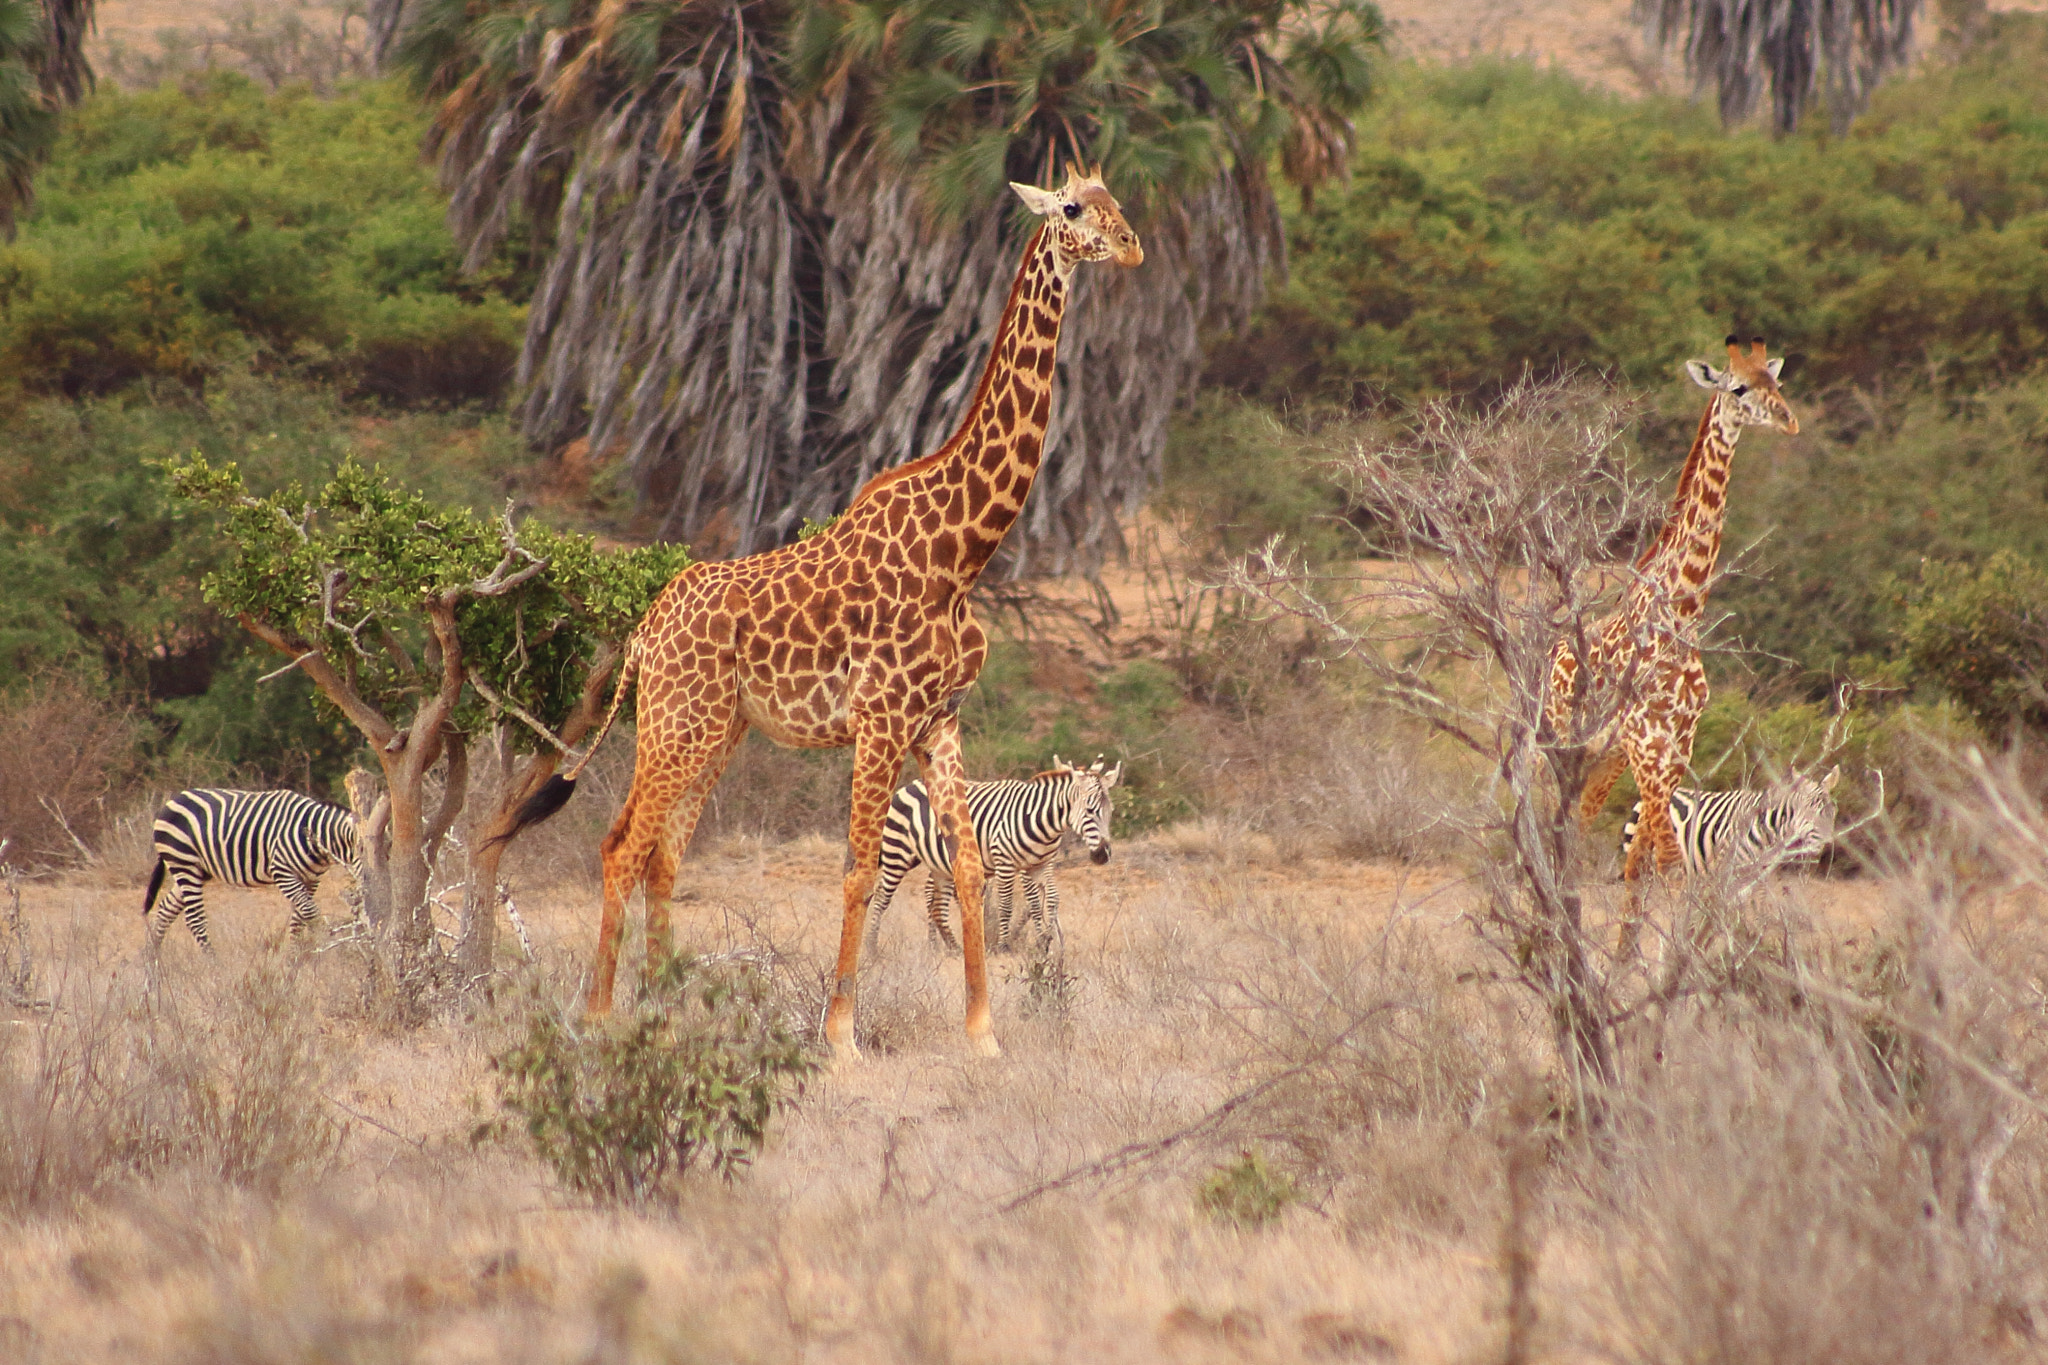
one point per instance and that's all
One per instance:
(1091, 809)
(1804, 812)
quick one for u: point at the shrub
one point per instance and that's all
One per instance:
(1502, 216)
(1980, 634)
(65, 753)
(1248, 1192)
(186, 229)
(695, 1072)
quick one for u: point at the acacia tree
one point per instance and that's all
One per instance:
(777, 239)
(1788, 48)
(424, 625)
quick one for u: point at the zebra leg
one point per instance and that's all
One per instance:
(298, 890)
(174, 899)
(191, 895)
(884, 892)
(938, 894)
(1049, 911)
(1005, 879)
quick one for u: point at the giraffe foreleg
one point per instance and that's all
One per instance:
(878, 748)
(667, 855)
(946, 781)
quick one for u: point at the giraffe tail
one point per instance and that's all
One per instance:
(554, 793)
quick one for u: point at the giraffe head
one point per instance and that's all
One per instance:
(1751, 382)
(1091, 809)
(1086, 222)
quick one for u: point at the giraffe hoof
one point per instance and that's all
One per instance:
(845, 1054)
(985, 1045)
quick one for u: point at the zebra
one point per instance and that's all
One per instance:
(1789, 823)
(1019, 826)
(277, 838)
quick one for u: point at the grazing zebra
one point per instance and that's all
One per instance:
(1754, 829)
(279, 839)
(1019, 826)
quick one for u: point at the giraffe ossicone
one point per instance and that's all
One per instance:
(859, 635)
(1649, 648)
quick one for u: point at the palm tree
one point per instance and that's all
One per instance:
(42, 69)
(777, 237)
(1741, 47)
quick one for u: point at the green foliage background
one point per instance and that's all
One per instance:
(184, 230)
(266, 278)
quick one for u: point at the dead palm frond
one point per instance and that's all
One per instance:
(1790, 48)
(42, 69)
(776, 238)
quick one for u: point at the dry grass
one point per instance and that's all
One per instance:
(1746, 1203)
(245, 1160)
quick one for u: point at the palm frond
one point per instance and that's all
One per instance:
(778, 253)
(1788, 49)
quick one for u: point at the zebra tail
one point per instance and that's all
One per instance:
(554, 793)
(156, 884)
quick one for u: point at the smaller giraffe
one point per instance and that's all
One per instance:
(1650, 646)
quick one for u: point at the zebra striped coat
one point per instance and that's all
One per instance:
(1753, 830)
(279, 839)
(1019, 827)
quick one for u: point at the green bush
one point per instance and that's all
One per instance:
(103, 570)
(1247, 1193)
(621, 1109)
(1240, 476)
(1980, 634)
(1839, 515)
(1503, 216)
(186, 229)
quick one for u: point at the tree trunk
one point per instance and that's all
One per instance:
(477, 952)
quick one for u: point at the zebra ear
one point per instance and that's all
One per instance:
(1827, 784)
(1109, 778)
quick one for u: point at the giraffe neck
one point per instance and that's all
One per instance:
(1681, 561)
(993, 457)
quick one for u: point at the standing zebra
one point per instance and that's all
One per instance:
(1019, 826)
(279, 839)
(1755, 830)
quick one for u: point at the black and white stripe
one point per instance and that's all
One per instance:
(1019, 826)
(279, 839)
(1753, 830)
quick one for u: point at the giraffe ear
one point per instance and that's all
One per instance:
(1040, 202)
(1773, 365)
(1703, 374)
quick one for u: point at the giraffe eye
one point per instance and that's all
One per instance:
(1072, 210)
(1739, 390)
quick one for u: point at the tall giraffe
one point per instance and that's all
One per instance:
(859, 635)
(1653, 639)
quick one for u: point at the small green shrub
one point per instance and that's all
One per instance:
(621, 1111)
(1248, 1192)
(1980, 634)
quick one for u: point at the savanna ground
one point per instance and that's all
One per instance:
(1267, 1101)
